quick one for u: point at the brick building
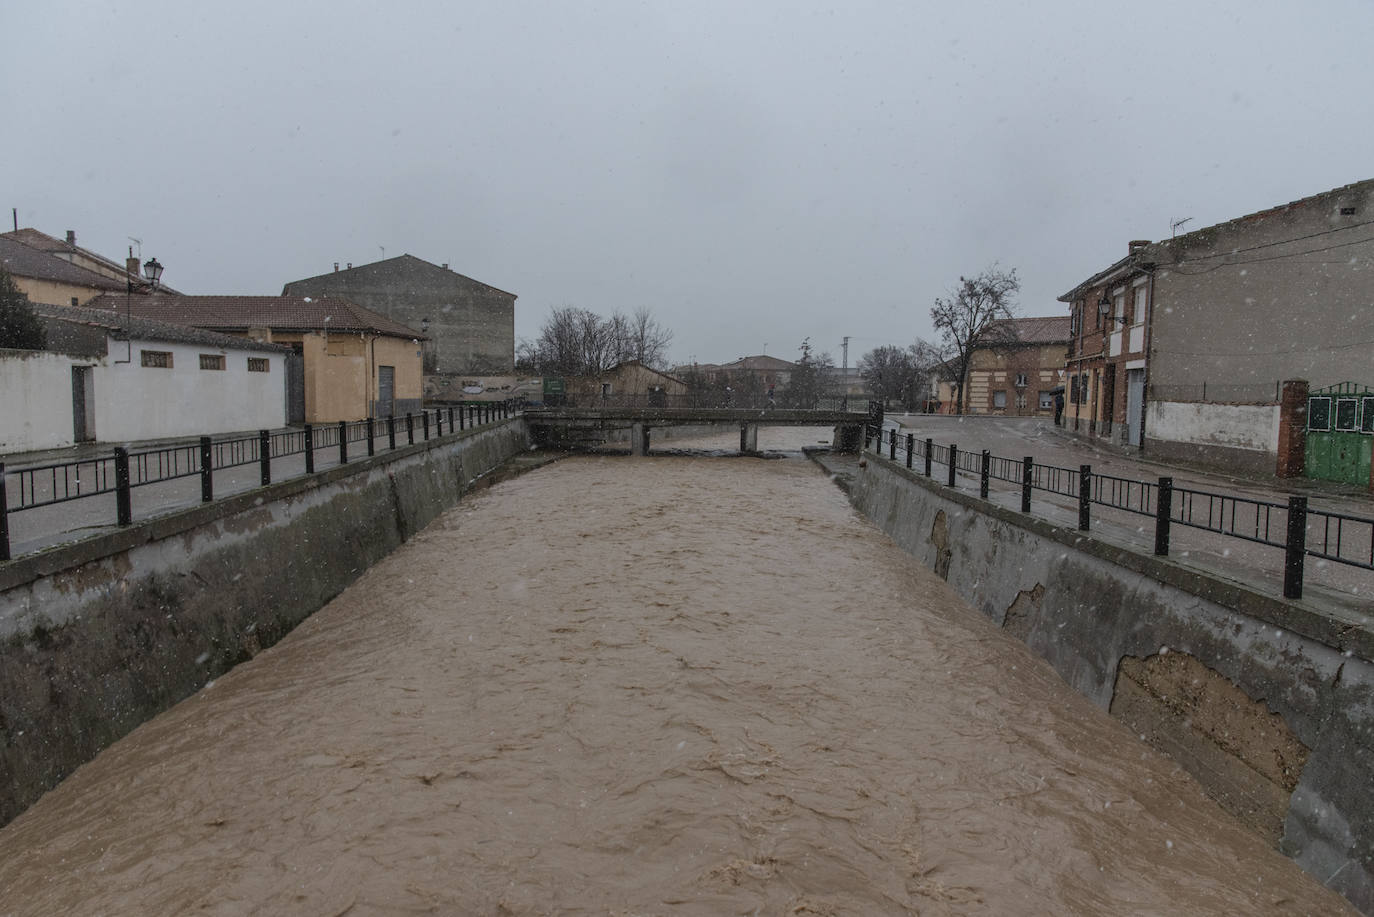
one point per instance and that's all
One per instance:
(1018, 375)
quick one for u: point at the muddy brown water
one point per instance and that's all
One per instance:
(642, 686)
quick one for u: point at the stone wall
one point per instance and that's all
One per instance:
(100, 635)
(1268, 703)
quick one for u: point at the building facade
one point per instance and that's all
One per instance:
(352, 363)
(1019, 375)
(1183, 347)
(470, 325)
(105, 378)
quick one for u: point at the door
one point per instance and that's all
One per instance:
(295, 386)
(83, 405)
(386, 390)
(1135, 400)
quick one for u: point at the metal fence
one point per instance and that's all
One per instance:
(704, 400)
(123, 471)
(1298, 529)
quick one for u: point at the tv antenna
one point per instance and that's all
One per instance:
(1175, 224)
(139, 243)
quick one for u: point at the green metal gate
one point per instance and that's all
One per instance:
(1340, 431)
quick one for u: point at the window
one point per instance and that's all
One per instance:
(259, 365)
(1021, 380)
(1119, 307)
(157, 359)
(999, 400)
(212, 361)
(1073, 390)
(1367, 414)
(1138, 312)
(1020, 401)
(1319, 413)
(1047, 401)
(1345, 414)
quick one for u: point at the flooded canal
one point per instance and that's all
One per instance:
(642, 686)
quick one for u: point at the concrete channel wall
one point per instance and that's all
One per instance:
(1268, 703)
(100, 635)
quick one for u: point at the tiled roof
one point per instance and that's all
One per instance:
(33, 238)
(26, 261)
(1053, 329)
(149, 330)
(280, 313)
(760, 362)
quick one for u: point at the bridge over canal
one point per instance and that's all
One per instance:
(583, 427)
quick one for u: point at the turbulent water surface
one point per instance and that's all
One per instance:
(641, 686)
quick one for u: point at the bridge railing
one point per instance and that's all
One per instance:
(124, 470)
(702, 400)
(1298, 529)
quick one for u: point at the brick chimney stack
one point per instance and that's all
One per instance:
(1136, 245)
(131, 264)
(71, 238)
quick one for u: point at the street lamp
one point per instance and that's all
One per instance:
(153, 271)
(1104, 308)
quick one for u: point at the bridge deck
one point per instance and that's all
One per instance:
(672, 416)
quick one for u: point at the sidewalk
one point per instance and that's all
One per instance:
(15, 461)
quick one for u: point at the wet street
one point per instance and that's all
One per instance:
(624, 686)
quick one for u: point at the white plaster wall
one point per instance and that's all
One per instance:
(134, 402)
(1237, 426)
(35, 400)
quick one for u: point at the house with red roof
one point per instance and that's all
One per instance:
(1018, 368)
(351, 362)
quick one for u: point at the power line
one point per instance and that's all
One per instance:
(1310, 251)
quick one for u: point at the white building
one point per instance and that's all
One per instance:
(110, 379)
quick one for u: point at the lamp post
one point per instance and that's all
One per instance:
(153, 272)
(1104, 308)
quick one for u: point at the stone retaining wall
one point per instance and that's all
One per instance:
(1269, 703)
(98, 636)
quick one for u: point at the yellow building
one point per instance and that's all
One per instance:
(351, 363)
(49, 279)
(628, 384)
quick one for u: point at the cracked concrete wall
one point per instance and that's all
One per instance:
(98, 636)
(1084, 605)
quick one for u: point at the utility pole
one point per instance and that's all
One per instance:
(844, 375)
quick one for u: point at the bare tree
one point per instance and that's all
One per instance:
(887, 372)
(810, 378)
(578, 342)
(976, 314)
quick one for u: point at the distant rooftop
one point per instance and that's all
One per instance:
(280, 313)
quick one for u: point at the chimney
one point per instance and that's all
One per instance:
(336, 267)
(1136, 245)
(131, 264)
(445, 265)
(350, 265)
(71, 238)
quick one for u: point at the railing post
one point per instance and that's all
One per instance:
(309, 449)
(892, 446)
(424, 424)
(1027, 482)
(1164, 512)
(4, 518)
(439, 422)
(984, 471)
(461, 411)
(343, 442)
(930, 453)
(1085, 494)
(391, 431)
(451, 427)
(124, 507)
(265, 456)
(953, 462)
(910, 445)
(371, 436)
(207, 471)
(1297, 548)
(410, 429)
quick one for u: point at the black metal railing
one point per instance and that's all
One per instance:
(122, 472)
(706, 400)
(1296, 528)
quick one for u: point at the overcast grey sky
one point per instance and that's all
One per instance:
(754, 172)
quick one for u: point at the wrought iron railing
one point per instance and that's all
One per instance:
(1300, 530)
(39, 486)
